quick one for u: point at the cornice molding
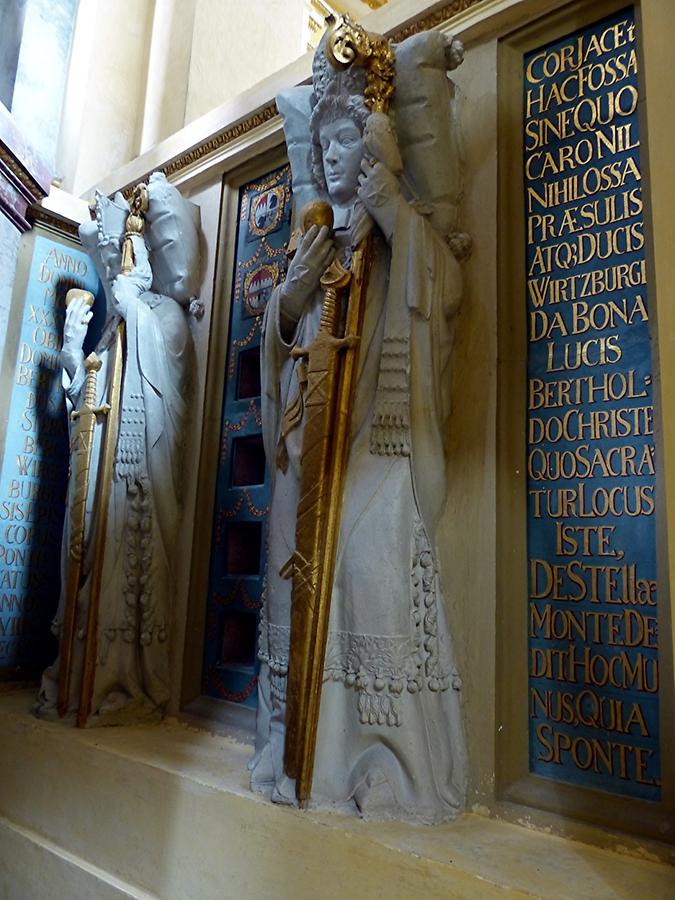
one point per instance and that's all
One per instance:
(38, 215)
(14, 197)
(21, 173)
(24, 176)
(432, 20)
(213, 144)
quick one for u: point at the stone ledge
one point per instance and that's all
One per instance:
(35, 868)
(166, 808)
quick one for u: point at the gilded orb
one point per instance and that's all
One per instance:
(318, 212)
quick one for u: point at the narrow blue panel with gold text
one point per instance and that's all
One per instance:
(592, 605)
(34, 472)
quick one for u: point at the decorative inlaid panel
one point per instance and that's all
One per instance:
(242, 489)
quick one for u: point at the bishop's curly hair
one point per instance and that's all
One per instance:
(330, 107)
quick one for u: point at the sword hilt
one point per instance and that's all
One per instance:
(333, 281)
(92, 365)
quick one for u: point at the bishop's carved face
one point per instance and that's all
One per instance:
(342, 150)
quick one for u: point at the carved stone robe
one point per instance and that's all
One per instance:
(390, 738)
(132, 664)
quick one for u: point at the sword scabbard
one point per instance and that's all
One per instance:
(83, 426)
(105, 472)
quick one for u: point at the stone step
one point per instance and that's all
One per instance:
(33, 867)
(165, 811)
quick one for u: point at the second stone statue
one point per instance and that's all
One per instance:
(128, 403)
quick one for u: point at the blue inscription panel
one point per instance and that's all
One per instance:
(239, 538)
(34, 473)
(591, 535)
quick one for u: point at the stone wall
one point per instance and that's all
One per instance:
(9, 248)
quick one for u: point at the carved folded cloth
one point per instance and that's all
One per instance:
(173, 241)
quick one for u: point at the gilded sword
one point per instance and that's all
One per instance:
(81, 446)
(329, 399)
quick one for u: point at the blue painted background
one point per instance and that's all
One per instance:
(634, 538)
(34, 471)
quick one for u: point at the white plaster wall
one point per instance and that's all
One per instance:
(41, 73)
(11, 29)
(106, 90)
(168, 70)
(235, 45)
(141, 69)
